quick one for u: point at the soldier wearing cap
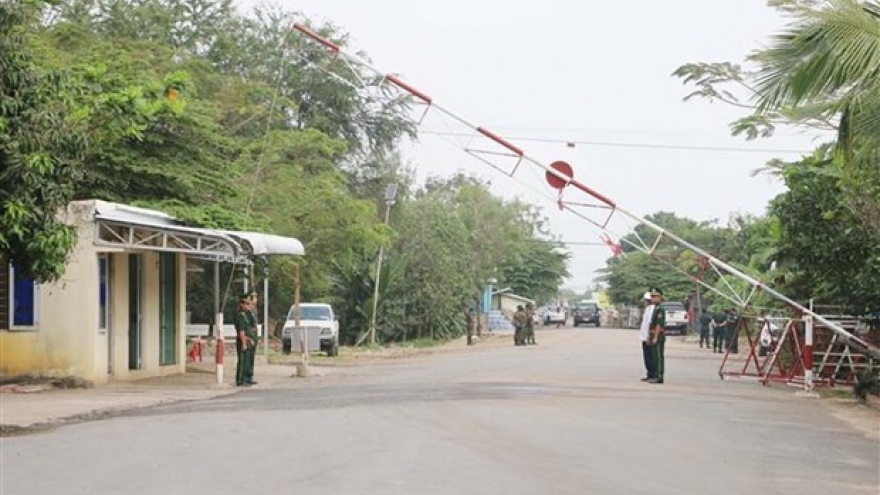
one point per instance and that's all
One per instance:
(705, 324)
(719, 329)
(529, 330)
(519, 323)
(657, 337)
(245, 342)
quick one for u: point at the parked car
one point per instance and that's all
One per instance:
(553, 314)
(586, 312)
(320, 324)
(676, 317)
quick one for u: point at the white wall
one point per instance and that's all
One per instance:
(69, 308)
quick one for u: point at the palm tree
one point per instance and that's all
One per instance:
(827, 62)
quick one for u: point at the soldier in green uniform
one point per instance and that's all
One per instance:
(245, 343)
(732, 331)
(255, 334)
(719, 331)
(519, 323)
(470, 324)
(657, 338)
(705, 323)
(530, 325)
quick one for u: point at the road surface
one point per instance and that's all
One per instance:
(568, 416)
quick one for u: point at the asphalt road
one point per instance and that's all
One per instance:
(567, 416)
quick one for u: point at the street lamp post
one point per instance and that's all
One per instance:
(390, 199)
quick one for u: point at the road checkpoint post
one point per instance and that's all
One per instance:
(560, 176)
(808, 351)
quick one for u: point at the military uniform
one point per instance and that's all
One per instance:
(255, 336)
(246, 340)
(519, 323)
(658, 338)
(530, 326)
(470, 324)
(705, 321)
(719, 331)
(732, 324)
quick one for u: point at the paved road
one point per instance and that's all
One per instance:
(566, 416)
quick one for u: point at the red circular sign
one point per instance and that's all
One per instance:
(564, 169)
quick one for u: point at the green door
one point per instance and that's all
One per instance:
(167, 309)
(135, 317)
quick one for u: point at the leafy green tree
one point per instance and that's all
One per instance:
(536, 270)
(436, 281)
(830, 257)
(829, 59)
(823, 71)
(40, 150)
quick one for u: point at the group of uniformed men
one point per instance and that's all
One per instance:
(524, 325)
(722, 326)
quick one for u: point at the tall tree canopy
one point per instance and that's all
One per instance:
(225, 119)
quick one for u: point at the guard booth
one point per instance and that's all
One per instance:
(119, 311)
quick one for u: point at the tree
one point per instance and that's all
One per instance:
(536, 270)
(40, 151)
(827, 255)
(823, 71)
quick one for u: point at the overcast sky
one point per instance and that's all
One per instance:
(579, 70)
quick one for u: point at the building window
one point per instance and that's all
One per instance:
(23, 300)
(103, 293)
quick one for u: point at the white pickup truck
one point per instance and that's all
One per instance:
(319, 324)
(676, 317)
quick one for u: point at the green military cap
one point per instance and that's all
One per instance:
(245, 296)
(655, 291)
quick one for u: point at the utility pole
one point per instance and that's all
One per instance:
(266, 333)
(302, 369)
(390, 199)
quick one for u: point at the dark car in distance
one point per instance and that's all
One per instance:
(586, 312)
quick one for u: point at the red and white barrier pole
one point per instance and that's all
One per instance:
(808, 351)
(218, 326)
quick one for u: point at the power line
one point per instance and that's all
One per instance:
(613, 144)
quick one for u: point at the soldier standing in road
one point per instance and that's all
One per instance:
(530, 325)
(519, 323)
(645, 336)
(255, 334)
(245, 343)
(719, 329)
(658, 334)
(732, 327)
(705, 322)
(470, 324)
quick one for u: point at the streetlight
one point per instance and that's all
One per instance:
(390, 199)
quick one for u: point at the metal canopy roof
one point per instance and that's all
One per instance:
(138, 229)
(268, 244)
